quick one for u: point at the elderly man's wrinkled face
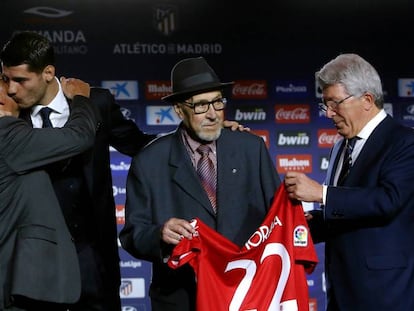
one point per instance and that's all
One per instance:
(7, 103)
(203, 115)
(347, 111)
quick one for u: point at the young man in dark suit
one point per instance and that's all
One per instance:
(366, 220)
(39, 268)
(164, 191)
(84, 186)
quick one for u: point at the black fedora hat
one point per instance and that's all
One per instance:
(192, 76)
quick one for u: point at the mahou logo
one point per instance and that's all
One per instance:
(294, 162)
(120, 214)
(154, 90)
(327, 138)
(292, 113)
(247, 89)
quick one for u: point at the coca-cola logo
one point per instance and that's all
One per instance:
(250, 89)
(327, 138)
(292, 113)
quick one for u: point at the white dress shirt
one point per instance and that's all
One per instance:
(363, 137)
(60, 113)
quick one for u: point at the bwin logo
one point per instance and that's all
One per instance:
(129, 308)
(255, 114)
(324, 163)
(293, 139)
(48, 12)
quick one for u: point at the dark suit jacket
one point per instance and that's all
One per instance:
(38, 259)
(123, 135)
(162, 183)
(369, 225)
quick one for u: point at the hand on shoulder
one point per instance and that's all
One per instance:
(234, 125)
(72, 87)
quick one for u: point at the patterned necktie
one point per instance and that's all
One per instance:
(207, 174)
(44, 113)
(347, 161)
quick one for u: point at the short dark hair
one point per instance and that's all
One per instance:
(29, 48)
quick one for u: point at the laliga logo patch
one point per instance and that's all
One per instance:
(300, 236)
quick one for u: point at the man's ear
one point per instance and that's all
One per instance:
(369, 101)
(49, 73)
(178, 111)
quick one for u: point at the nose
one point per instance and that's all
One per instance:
(12, 88)
(330, 113)
(211, 112)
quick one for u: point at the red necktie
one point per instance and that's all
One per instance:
(207, 174)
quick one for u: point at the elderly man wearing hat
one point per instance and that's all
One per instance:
(170, 182)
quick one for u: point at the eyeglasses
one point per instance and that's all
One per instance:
(203, 106)
(332, 104)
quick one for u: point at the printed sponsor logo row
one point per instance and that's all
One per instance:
(284, 114)
(287, 114)
(164, 115)
(326, 138)
(241, 89)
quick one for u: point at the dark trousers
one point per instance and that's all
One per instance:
(92, 293)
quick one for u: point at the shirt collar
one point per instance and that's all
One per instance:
(192, 144)
(372, 124)
(58, 103)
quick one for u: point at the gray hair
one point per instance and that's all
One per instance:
(355, 74)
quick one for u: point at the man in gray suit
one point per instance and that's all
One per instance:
(39, 269)
(164, 191)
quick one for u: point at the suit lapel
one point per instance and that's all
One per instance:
(228, 170)
(335, 155)
(25, 115)
(88, 171)
(87, 158)
(375, 143)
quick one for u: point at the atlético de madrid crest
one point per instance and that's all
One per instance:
(165, 19)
